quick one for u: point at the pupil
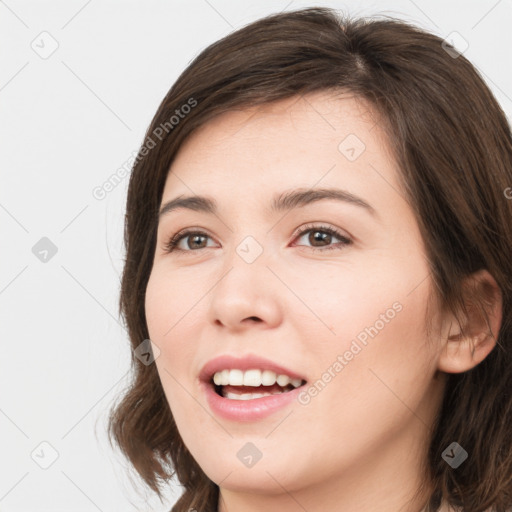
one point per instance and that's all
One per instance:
(196, 237)
(322, 236)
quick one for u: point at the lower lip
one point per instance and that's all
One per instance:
(248, 410)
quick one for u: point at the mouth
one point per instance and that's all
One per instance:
(249, 403)
(252, 384)
(248, 388)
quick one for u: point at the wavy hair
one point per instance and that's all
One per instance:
(453, 145)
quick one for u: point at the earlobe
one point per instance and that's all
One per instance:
(461, 354)
(463, 349)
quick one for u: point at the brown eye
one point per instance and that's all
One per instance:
(194, 240)
(320, 238)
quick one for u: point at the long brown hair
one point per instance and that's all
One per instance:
(453, 145)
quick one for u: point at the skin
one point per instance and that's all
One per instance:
(360, 443)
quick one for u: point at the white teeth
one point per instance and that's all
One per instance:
(283, 380)
(268, 378)
(254, 378)
(236, 377)
(296, 382)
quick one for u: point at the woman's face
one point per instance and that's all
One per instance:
(343, 310)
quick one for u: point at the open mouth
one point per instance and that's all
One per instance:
(252, 392)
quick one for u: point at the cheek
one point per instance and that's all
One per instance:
(370, 397)
(158, 305)
(166, 308)
(392, 360)
(380, 356)
(349, 304)
(174, 314)
(170, 303)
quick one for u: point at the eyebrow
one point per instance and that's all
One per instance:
(288, 200)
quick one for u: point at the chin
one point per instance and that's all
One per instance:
(258, 482)
(261, 478)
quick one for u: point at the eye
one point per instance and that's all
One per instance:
(322, 235)
(196, 239)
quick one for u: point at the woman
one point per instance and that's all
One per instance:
(318, 237)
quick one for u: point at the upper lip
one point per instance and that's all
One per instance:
(247, 362)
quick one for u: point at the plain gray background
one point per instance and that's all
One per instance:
(70, 119)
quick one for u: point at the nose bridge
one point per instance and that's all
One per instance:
(251, 236)
(250, 249)
(247, 264)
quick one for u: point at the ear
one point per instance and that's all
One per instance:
(462, 351)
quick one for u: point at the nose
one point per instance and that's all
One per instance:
(247, 294)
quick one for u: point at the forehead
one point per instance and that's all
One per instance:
(318, 117)
(337, 139)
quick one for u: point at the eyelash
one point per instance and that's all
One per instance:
(172, 244)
